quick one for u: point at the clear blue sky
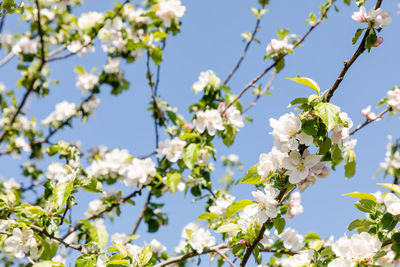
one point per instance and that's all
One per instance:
(210, 39)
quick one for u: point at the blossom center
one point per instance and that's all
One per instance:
(301, 167)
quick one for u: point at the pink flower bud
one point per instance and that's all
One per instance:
(242, 241)
(360, 16)
(365, 112)
(188, 126)
(378, 41)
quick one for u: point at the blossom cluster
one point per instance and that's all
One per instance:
(119, 164)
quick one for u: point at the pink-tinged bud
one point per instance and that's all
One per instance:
(242, 241)
(289, 216)
(378, 41)
(360, 16)
(325, 172)
(365, 112)
(188, 126)
(221, 105)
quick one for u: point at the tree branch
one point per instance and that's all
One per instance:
(191, 255)
(266, 89)
(282, 56)
(139, 220)
(246, 48)
(347, 64)
(368, 121)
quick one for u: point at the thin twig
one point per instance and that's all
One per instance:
(266, 89)
(61, 240)
(279, 58)
(190, 255)
(347, 64)
(368, 121)
(225, 257)
(139, 220)
(246, 48)
(31, 85)
(279, 251)
(3, 19)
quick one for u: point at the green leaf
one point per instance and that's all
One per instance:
(389, 222)
(280, 65)
(396, 243)
(208, 216)
(362, 224)
(366, 205)
(61, 193)
(307, 82)
(48, 264)
(85, 261)
(145, 255)
(393, 187)
(356, 36)
(310, 127)
(298, 101)
(173, 180)
(371, 39)
(279, 224)
(190, 155)
(252, 177)
(100, 236)
(229, 227)
(237, 206)
(79, 69)
(91, 185)
(311, 236)
(361, 196)
(329, 114)
(229, 135)
(49, 250)
(156, 55)
(350, 164)
(118, 263)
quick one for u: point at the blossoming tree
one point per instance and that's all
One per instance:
(314, 138)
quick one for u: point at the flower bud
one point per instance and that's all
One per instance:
(378, 41)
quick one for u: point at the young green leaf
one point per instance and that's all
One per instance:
(307, 82)
(237, 206)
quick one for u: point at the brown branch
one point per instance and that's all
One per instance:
(266, 89)
(347, 64)
(368, 121)
(100, 213)
(139, 220)
(225, 257)
(61, 240)
(190, 255)
(246, 48)
(279, 251)
(31, 85)
(6, 59)
(279, 58)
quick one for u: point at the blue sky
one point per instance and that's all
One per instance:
(210, 39)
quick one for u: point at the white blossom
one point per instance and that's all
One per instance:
(392, 203)
(266, 204)
(234, 117)
(171, 148)
(206, 78)
(119, 238)
(90, 105)
(112, 66)
(11, 184)
(156, 246)
(360, 247)
(201, 239)
(394, 99)
(86, 82)
(368, 114)
(298, 167)
(268, 163)
(209, 120)
(21, 243)
(169, 10)
(292, 240)
(57, 173)
(275, 47)
(89, 20)
(63, 111)
(284, 131)
(392, 158)
(221, 204)
(140, 171)
(295, 207)
(379, 17)
(302, 258)
(25, 45)
(340, 132)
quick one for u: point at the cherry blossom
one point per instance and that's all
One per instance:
(21, 243)
(298, 167)
(171, 148)
(209, 120)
